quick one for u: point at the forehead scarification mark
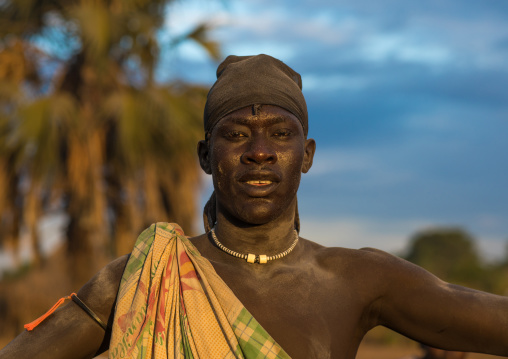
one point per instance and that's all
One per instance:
(256, 109)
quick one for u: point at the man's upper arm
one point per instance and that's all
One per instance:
(99, 293)
(70, 332)
(419, 305)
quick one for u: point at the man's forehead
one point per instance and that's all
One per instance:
(255, 120)
(267, 115)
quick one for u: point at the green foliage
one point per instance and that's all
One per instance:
(85, 128)
(451, 254)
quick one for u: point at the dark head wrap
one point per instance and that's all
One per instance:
(252, 80)
(249, 80)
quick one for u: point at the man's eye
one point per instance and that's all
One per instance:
(235, 134)
(282, 133)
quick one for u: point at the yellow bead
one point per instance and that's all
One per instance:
(251, 258)
(262, 258)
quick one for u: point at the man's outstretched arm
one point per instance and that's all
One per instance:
(70, 332)
(417, 304)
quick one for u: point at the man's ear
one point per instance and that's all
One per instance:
(310, 149)
(204, 157)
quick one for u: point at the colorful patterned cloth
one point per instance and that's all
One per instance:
(172, 304)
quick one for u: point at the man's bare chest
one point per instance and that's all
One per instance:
(303, 310)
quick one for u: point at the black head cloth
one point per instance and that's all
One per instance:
(249, 80)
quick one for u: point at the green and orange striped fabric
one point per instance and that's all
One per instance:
(172, 304)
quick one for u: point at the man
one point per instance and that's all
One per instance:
(305, 300)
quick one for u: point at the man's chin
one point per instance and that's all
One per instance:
(261, 214)
(255, 211)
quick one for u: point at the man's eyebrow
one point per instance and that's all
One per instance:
(271, 121)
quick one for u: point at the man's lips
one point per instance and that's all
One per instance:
(259, 178)
(259, 183)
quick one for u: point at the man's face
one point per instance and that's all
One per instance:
(256, 160)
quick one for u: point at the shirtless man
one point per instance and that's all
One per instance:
(316, 302)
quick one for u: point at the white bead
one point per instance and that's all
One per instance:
(251, 258)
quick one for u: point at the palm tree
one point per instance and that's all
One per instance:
(86, 129)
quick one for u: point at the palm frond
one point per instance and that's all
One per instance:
(200, 34)
(94, 23)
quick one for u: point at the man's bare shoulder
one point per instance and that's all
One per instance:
(373, 261)
(101, 290)
(332, 254)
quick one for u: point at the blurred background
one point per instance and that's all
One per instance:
(101, 108)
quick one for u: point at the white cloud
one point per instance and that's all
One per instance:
(369, 166)
(272, 48)
(350, 232)
(334, 82)
(403, 47)
(388, 235)
(474, 38)
(335, 160)
(288, 30)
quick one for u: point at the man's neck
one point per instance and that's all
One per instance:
(269, 238)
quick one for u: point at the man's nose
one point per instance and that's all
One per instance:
(259, 151)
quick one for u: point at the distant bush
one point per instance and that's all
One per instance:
(452, 255)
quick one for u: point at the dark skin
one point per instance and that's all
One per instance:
(435, 353)
(317, 302)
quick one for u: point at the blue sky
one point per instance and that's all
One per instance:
(407, 101)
